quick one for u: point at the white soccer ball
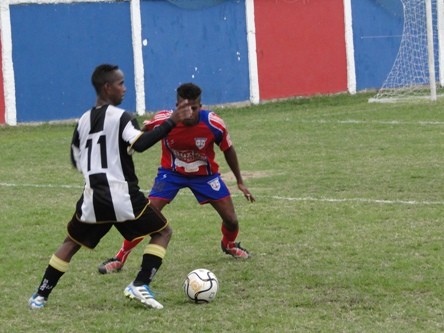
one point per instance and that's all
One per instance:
(201, 286)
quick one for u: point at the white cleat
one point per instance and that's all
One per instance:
(143, 294)
(37, 302)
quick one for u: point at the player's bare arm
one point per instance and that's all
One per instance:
(149, 138)
(233, 163)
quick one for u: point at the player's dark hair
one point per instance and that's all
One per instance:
(189, 91)
(101, 75)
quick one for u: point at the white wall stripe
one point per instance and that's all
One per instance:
(139, 76)
(252, 54)
(349, 47)
(7, 64)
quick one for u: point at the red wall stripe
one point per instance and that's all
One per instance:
(300, 47)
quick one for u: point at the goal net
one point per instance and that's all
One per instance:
(413, 75)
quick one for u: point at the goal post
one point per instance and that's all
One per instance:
(430, 49)
(414, 71)
(440, 27)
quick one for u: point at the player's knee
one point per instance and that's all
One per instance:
(231, 224)
(163, 235)
(167, 232)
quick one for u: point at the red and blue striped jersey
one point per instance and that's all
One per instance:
(189, 150)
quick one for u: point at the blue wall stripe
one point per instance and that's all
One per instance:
(206, 47)
(55, 50)
(377, 30)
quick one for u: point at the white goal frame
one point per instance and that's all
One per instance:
(395, 91)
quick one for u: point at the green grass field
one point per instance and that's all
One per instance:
(346, 234)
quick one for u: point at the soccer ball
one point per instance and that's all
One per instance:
(201, 286)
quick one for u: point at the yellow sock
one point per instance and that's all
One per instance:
(156, 250)
(59, 264)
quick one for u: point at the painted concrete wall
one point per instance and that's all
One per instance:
(206, 46)
(300, 50)
(56, 47)
(377, 31)
(55, 50)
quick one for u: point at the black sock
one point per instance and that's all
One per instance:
(149, 268)
(49, 281)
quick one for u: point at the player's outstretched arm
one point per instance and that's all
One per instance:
(149, 138)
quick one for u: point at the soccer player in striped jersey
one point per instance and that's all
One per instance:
(103, 142)
(188, 160)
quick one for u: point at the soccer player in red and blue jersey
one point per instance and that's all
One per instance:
(188, 160)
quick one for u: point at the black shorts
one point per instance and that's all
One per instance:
(89, 235)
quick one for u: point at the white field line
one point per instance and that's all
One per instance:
(377, 122)
(40, 185)
(361, 200)
(274, 197)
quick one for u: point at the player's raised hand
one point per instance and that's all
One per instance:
(183, 111)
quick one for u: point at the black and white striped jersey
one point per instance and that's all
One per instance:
(101, 150)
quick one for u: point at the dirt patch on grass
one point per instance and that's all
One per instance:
(229, 177)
